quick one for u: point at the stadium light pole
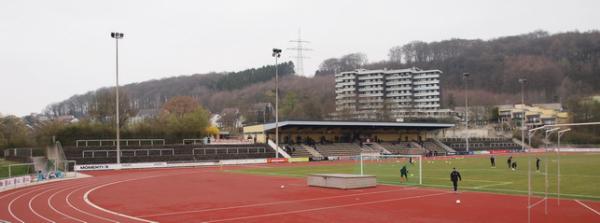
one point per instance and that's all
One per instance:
(466, 80)
(276, 54)
(523, 81)
(117, 36)
(560, 133)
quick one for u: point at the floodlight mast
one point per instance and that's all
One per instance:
(523, 81)
(117, 36)
(466, 79)
(276, 53)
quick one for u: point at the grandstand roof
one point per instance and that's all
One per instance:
(337, 124)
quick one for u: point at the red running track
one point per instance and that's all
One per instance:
(211, 195)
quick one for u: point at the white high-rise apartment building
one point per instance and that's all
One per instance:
(369, 94)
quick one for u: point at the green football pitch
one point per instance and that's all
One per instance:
(579, 176)
(16, 170)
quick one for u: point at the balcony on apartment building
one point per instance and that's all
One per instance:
(431, 93)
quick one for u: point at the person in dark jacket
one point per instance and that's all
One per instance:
(404, 173)
(509, 162)
(537, 164)
(455, 177)
(493, 161)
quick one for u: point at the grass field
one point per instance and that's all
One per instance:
(17, 170)
(580, 173)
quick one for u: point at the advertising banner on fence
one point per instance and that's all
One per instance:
(481, 152)
(96, 167)
(143, 165)
(579, 150)
(277, 160)
(119, 166)
(499, 151)
(298, 159)
(192, 164)
(242, 161)
(14, 181)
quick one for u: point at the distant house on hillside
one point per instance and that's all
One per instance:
(535, 115)
(262, 112)
(229, 120)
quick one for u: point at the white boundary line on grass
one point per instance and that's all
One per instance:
(328, 207)
(588, 207)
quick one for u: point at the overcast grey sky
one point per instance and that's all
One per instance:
(51, 50)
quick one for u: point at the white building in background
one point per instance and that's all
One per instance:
(367, 94)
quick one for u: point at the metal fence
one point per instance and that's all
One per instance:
(113, 142)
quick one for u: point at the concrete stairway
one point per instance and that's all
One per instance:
(312, 151)
(440, 144)
(380, 148)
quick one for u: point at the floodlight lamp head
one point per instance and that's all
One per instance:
(276, 52)
(466, 75)
(116, 35)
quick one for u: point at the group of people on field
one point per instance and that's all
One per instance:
(513, 164)
(455, 176)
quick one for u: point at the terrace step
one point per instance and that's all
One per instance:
(312, 151)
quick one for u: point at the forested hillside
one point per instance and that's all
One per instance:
(557, 67)
(206, 88)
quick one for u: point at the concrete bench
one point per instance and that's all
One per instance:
(341, 181)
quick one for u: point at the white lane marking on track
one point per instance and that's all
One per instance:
(29, 190)
(502, 190)
(493, 185)
(59, 212)
(536, 203)
(82, 211)
(325, 208)
(273, 203)
(16, 198)
(588, 207)
(35, 212)
(86, 196)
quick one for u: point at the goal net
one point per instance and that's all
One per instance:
(389, 168)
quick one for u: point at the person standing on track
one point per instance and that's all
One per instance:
(455, 177)
(537, 164)
(493, 161)
(404, 173)
(509, 162)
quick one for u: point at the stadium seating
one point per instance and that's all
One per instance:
(430, 145)
(405, 148)
(475, 144)
(297, 151)
(338, 149)
(167, 153)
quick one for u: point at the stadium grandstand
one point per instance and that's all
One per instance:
(331, 139)
(144, 150)
(476, 143)
(317, 140)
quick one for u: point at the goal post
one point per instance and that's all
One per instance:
(387, 168)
